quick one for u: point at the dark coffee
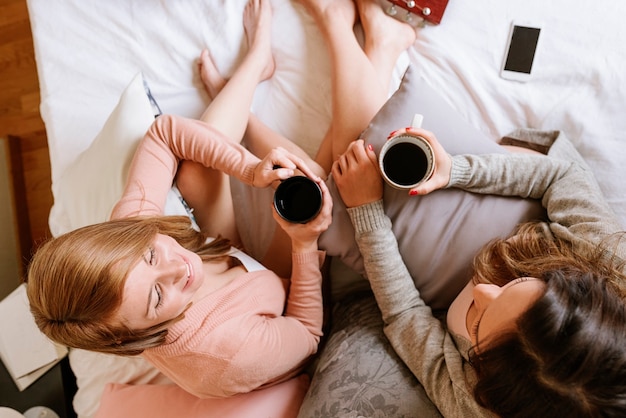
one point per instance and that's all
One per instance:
(298, 199)
(405, 163)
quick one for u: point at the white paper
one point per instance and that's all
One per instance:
(25, 351)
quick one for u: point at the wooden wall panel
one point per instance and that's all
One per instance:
(21, 123)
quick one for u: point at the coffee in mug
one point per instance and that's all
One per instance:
(406, 159)
(298, 199)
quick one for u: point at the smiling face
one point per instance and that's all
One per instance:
(161, 285)
(495, 309)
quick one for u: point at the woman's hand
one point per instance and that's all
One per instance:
(357, 175)
(443, 163)
(304, 236)
(280, 164)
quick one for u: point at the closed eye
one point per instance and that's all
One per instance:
(150, 256)
(159, 294)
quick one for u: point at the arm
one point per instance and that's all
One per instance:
(575, 206)
(574, 203)
(304, 300)
(171, 139)
(280, 345)
(415, 334)
(274, 348)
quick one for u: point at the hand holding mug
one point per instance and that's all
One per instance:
(442, 162)
(356, 175)
(279, 164)
(304, 235)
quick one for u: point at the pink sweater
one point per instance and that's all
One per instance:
(251, 332)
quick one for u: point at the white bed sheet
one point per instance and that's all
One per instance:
(88, 51)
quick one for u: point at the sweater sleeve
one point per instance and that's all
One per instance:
(416, 335)
(304, 301)
(169, 140)
(575, 206)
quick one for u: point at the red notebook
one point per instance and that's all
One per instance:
(429, 10)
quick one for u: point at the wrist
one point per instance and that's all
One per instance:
(460, 170)
(300, 247)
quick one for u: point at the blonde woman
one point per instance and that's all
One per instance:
(208, 316)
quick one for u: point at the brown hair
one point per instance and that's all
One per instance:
(566, 356)
(75, 282)
(533, 250)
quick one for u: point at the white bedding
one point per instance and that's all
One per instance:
(88, 51)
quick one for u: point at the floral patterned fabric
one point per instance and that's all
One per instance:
(358, 373)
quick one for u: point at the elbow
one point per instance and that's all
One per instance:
(162, 127)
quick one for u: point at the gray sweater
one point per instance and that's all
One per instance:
(577, 212)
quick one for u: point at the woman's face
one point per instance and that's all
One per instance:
(161, 285)
(496, 309)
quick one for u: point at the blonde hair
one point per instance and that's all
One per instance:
(75, 282)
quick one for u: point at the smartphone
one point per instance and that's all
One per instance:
(520, 52)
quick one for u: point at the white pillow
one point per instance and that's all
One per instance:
(89, 188)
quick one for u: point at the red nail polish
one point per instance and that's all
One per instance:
(392, 134)
(370, 147)
(413, 192)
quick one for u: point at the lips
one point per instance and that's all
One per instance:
(189, 275)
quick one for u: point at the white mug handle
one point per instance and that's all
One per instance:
(417, 121)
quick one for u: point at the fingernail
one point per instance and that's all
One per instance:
(392, 134)
(370, 147)
(413, 192)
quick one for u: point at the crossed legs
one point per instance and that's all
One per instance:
(360, 77)
(360, 86)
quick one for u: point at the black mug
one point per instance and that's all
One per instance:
(298, 199)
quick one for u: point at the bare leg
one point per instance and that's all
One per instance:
(228, 112)
(205, 189)
(360, 77)
(385, 39)
(360, 85)
(260, 139)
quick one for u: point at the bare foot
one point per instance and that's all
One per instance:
(210, 76)
(383, 33)
(326, 11)
(257, 24)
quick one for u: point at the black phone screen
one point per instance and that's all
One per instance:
(522, 49)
